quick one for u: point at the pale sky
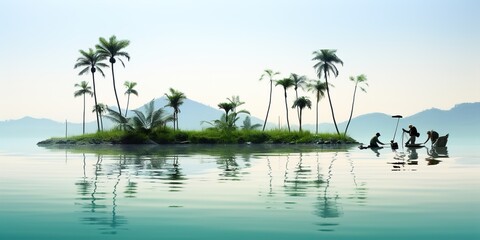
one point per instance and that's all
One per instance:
(417, 54)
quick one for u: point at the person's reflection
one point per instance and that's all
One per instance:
(375, 150)
(435, 154)
(412, 156)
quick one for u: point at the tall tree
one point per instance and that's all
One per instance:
(301, 103)
(359, 81)
(327, 58)
(100, 109)
(130, 90)
(84, 89)
(270, 74)
(91, 62)
(286, 83)
(299, 82)
(175, 100)
(319, 88)
(112, 49)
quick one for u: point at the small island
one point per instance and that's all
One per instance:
(148, 125)
(166, 135)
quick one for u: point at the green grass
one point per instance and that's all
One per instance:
(208, 136)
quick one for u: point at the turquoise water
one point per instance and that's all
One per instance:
(238, 192)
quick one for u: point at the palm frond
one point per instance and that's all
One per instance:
(120, 121)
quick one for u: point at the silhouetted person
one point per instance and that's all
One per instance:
(374, 141)
(413, 133)
(433, 136)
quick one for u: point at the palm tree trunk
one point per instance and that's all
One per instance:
(83, 113)
(351, 111)
(330, 101)
(115, 90)
(101, 120)
(300, 119)
(95, 97)
(269, 103)
(128, 103)
(286, 109)
(316, 117)
(174, 120)
(176, 117)
(298, 109)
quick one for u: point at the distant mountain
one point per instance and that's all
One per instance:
(193, 113)
(462, 122)
(190, 118)
(31, 127)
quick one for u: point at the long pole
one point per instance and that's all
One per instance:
(398, 120)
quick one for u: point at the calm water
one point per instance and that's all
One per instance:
(238, 192)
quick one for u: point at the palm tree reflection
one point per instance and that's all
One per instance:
(298, 186)
(227, 161)
(83, 184)
(98, 215)
(327, 205)
(175, 177)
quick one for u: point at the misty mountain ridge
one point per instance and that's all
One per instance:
(461, 122)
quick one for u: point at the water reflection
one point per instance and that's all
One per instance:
(327, 206)
(409, 159)
(360, 194)
(306, 177)
(227, 162)
(435, 154)
(96, 204)
(174, 176)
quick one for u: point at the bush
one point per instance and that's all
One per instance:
(208, 136)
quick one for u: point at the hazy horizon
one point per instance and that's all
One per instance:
(417, 55)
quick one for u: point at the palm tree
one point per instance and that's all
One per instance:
(235, 100)
(151, 119)
(319, 88)
(299, 82)
(301, 103)
(130, 90)
(227, 107)
(112, 49)
(359, 80)
(327, 58)
(122, 122)
(285, 83)
(100, 109)
(175, 99)
(91, 61)
(84, 89)
(227, 121)
(247, 124)
(270, 75)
